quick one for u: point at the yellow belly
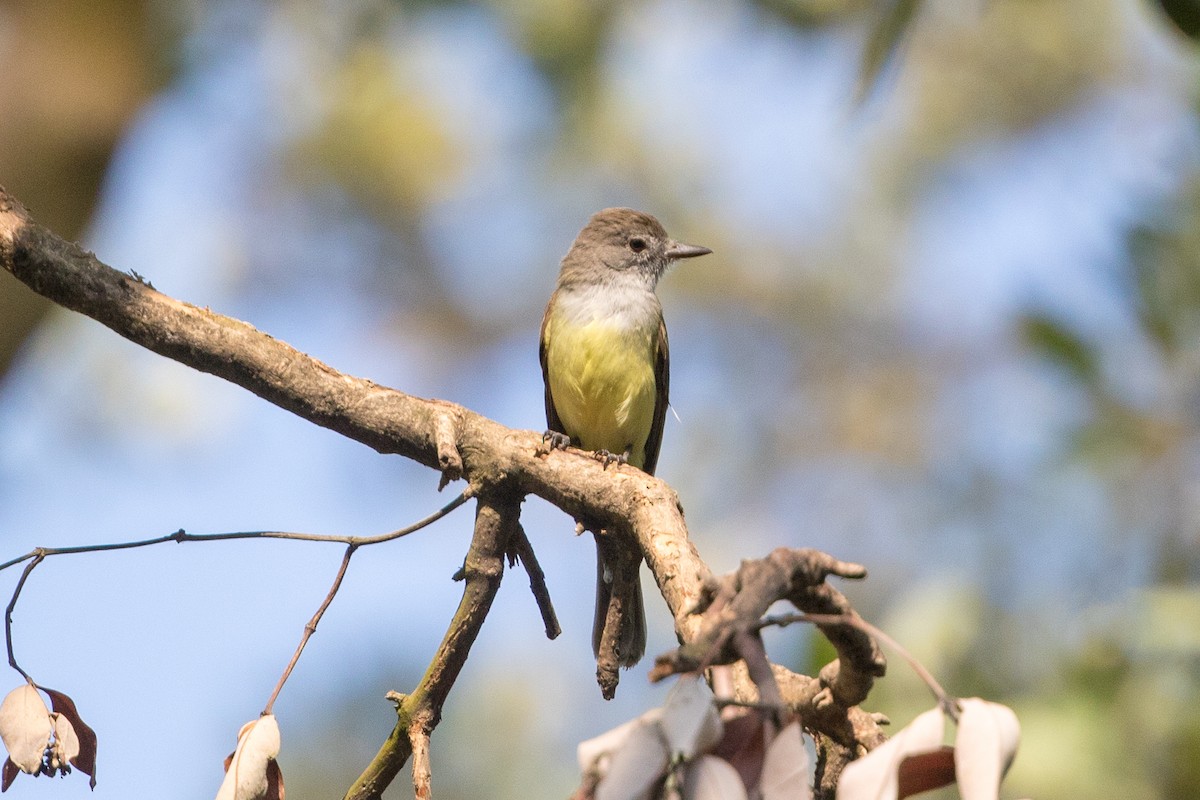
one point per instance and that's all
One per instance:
(602, 382)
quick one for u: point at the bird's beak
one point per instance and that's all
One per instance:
(681, 250)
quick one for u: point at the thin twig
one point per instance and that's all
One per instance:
(537, 582)
(39, 554)
(749, 645)
(311, 628)
(945, 700)
(8, 612)
(181, 536)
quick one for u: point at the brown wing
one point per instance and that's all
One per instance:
(662, 380)
(553, 423)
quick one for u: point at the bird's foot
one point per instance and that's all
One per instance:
(553, 440)
(606, 458)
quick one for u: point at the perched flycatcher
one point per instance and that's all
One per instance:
(605, 362)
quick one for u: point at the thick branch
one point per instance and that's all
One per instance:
(498, 462)
(731, 617)
(431, 432)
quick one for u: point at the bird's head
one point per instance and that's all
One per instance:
(624, 241)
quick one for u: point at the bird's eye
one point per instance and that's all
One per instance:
(637, 244)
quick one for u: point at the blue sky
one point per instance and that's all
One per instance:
(746, 125)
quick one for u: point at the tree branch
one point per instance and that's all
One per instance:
(501, 466)
(496, 522)
(441, 435)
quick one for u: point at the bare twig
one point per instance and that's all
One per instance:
(38, 555)
(947, 701)
(737, 602)
(310, 628)
(523, 550)
(8, 612)
(181, 536)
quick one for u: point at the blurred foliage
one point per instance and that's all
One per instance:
(1185, 14)
(1061, 346)
(565, 39)
(845, 423)
(1139, 665)
(381, 139)
(74, 73)
(884, 42)
(1166, 274)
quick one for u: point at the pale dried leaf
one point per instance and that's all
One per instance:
(875, 776)
(248, 775)
(690, 722)
(636, 765)
(25, 728)
(66, 744)
(721, 677)
(592, 753)
(987, 739)
(712, 778)
(785, 767)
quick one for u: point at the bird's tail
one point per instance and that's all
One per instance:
(613, 568)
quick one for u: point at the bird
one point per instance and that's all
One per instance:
(606, 369)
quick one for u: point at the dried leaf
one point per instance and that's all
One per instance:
(875, 776)
(922, 772)
(10, 773)
(785, 767)
(274, 781)
(885, 41)
(592, 753)
(743, 745)
(690, 722)
(636, 765)
(247, 776)
(85, 758)
(65, 748)
(25, 728)
(988, 735)
(712, 778)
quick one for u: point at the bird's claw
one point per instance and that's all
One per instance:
(555, 440)
(606, 458)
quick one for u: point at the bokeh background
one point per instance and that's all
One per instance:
(949, 331)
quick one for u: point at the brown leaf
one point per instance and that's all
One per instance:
(924, 771)
(743, 746)
(11, 771)
(274, 781)
(85, 761)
